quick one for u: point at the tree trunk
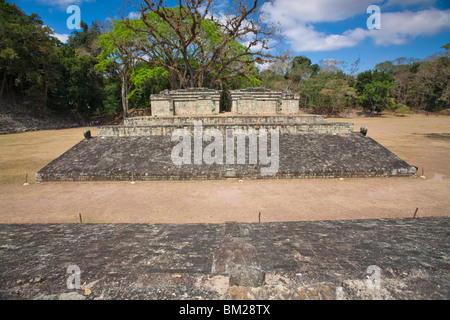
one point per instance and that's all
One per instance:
(124, 94)
(173, 80)
(45, 102)
(3, 84)
(46, 80)
(191, 71)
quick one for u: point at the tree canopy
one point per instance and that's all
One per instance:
(198, 49)
(108, 70)
(45, 74)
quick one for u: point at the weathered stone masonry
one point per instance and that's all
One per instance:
(313, 259)
(168, 129)
(263, 101)
(229, 119)
(149, 158)
(309, 146)
(203, 101)
(186, 101)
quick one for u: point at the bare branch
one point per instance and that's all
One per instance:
(199, 48)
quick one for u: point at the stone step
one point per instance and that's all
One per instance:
(299, 156)
(169, 129)
(234, 119)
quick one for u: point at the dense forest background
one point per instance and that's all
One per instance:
(93, 74)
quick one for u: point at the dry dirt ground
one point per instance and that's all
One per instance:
(422, 141)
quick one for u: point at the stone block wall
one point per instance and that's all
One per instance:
(263, 101)
(168, 129)
(195, 101)
(203, 101)
(162, 105)
(143, 121)
(300, 156)
(290, 103)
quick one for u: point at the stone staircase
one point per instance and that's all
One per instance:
(286, 124)
(226, 145)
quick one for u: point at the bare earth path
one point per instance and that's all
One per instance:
(421, 141)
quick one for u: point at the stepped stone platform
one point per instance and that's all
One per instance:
(223, 147)
(150, 158)
(261, 100)
(293, 124)
(301, 260)
(186, 101)
(198, 101)
(168, 129)
(228, 119)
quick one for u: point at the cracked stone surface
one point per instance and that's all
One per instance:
(301, 260)
(300, 156)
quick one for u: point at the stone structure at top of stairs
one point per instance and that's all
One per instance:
(203, 101)
(264, 101)
(251, 109)
(186, 101)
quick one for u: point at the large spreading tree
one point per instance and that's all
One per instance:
(200, 47)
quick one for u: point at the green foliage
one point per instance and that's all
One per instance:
(302, 69)
(374, 90)
(329, 95)
(319, 89)
(112, 102)
(432, 84)
(273, 80)
(117, 46)
(118, 56)
(147, 81)
(402, 109)
(104, 73)
(421, 84)
(49, 76)
(391, 105)
(195, 50)
(28, 64)
(83, 83)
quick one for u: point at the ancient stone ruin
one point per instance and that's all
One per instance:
(165, 126)
(264, 101)
(203, 101)
(185, 101)
(235, 144)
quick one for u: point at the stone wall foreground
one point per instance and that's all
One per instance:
(301, 260)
